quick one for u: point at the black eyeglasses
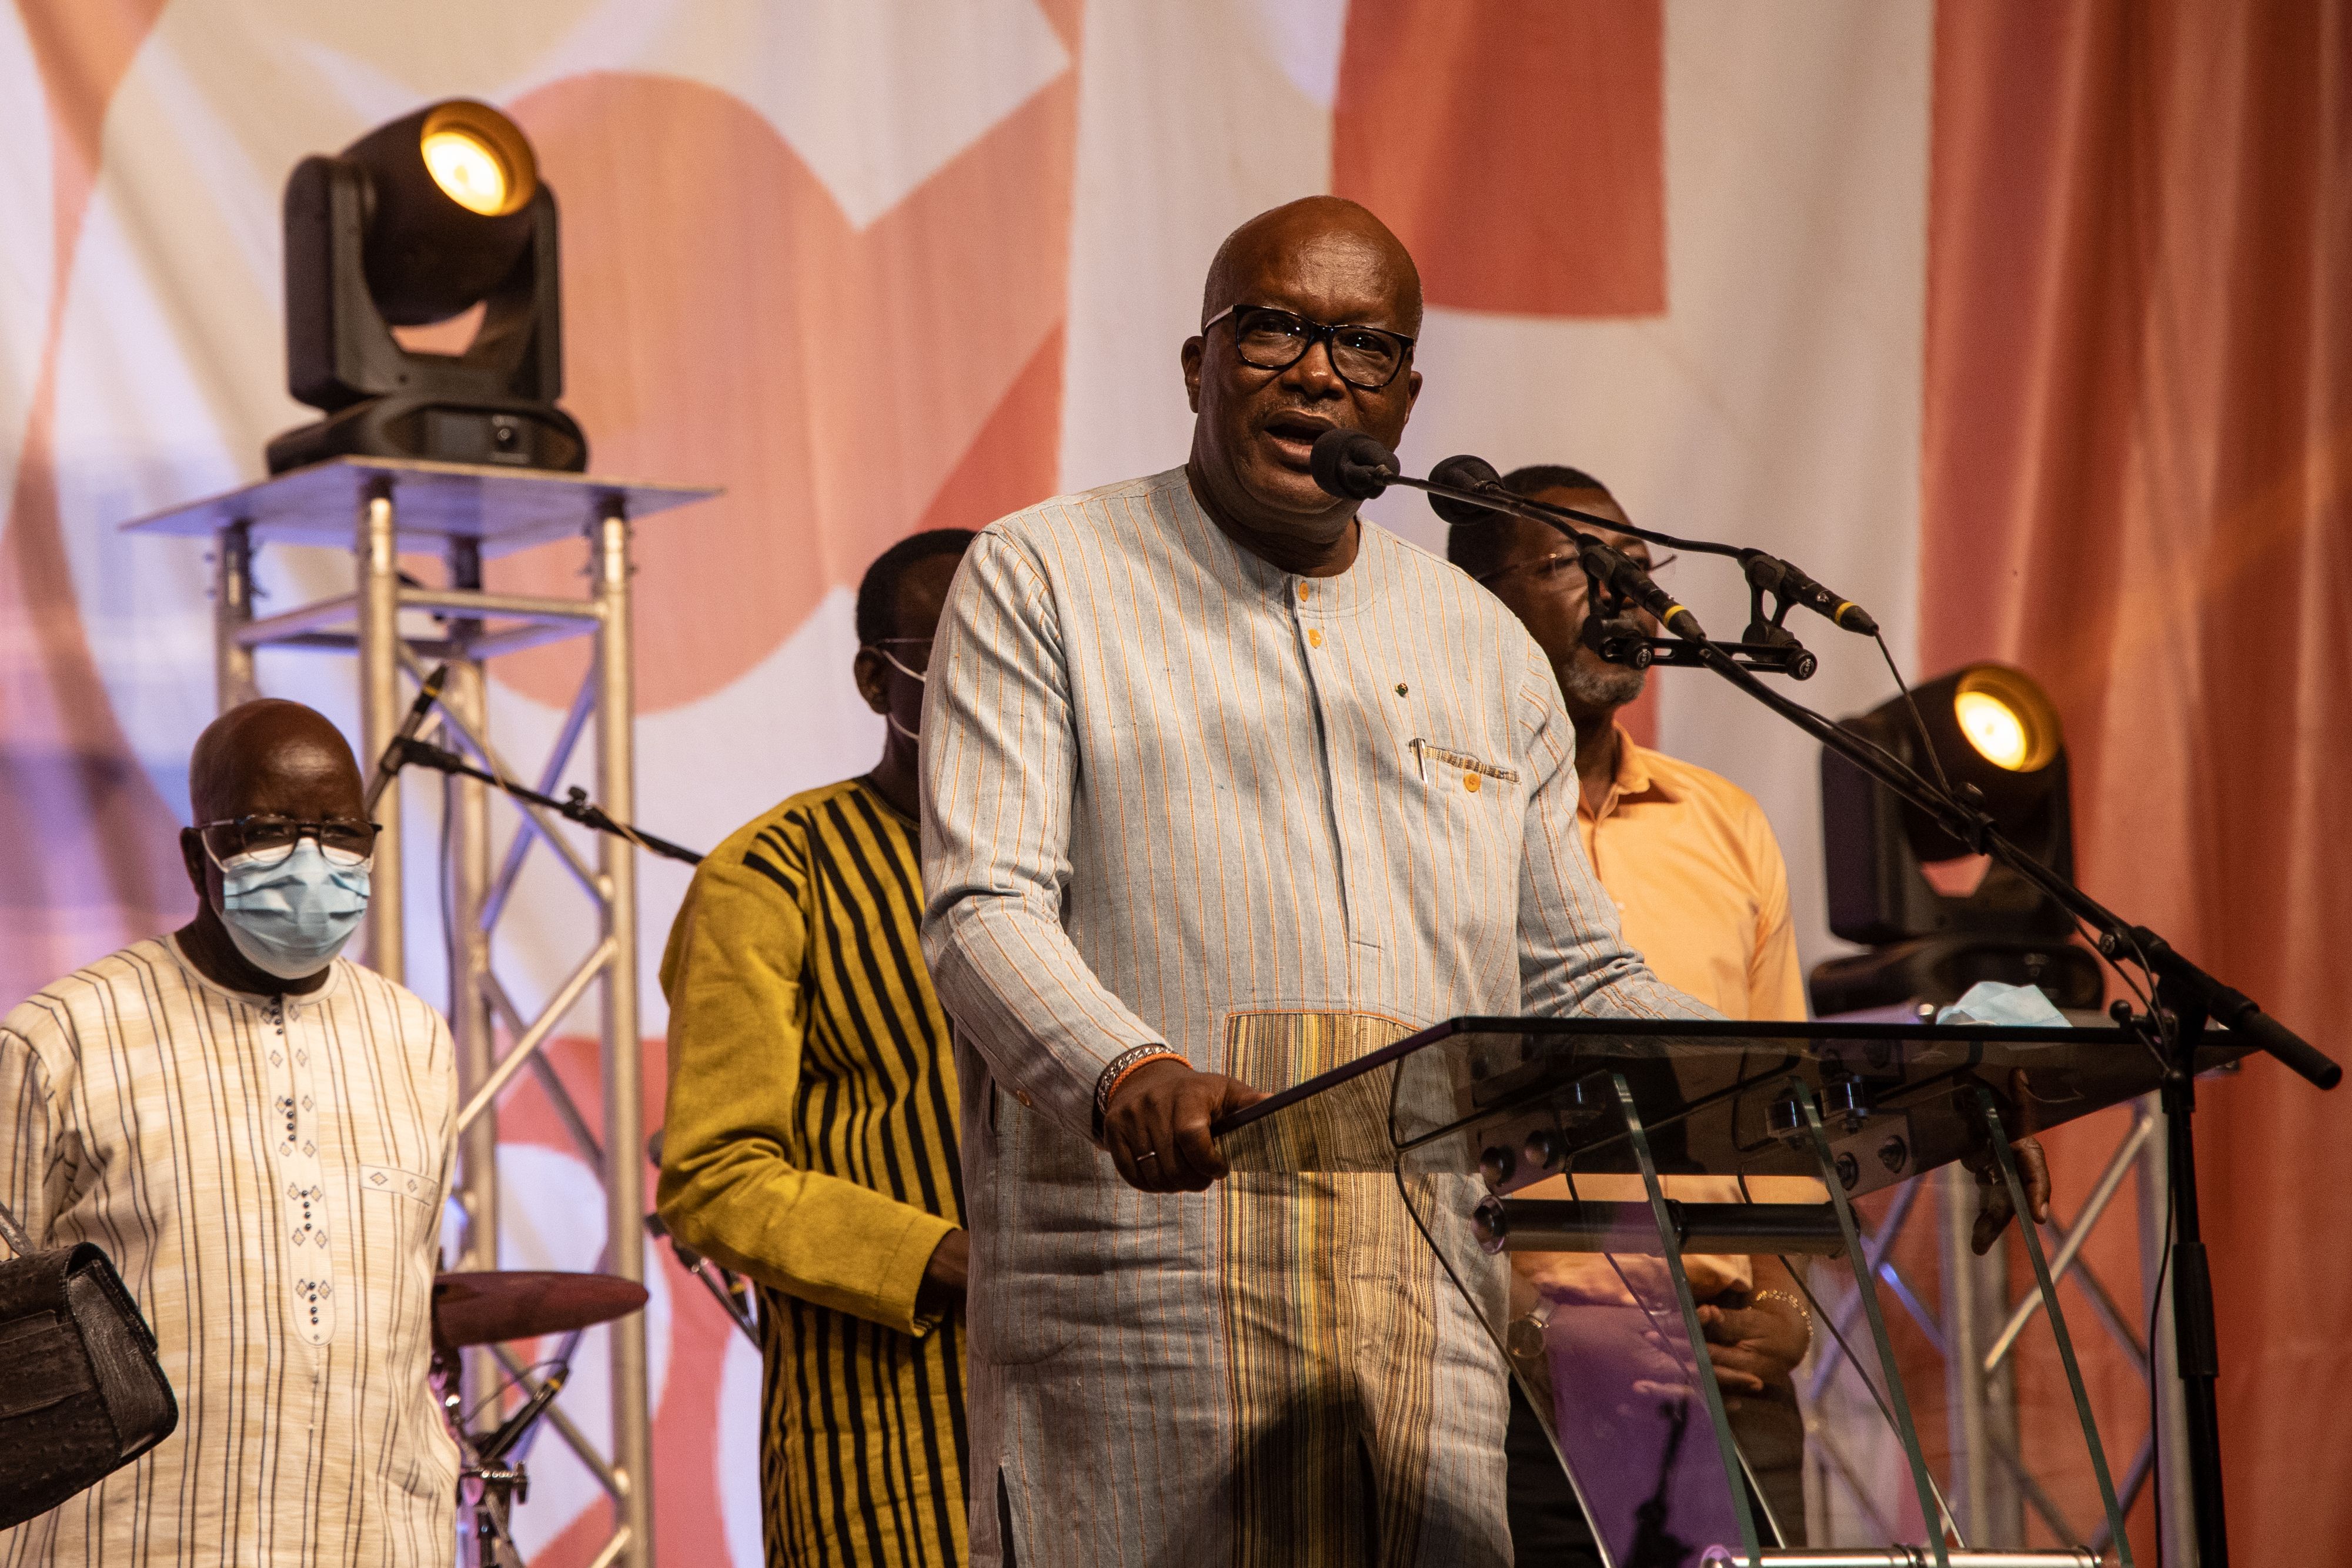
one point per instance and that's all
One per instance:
(267, 839)
(1271, 340)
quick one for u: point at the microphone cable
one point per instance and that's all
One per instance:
(1918, 719)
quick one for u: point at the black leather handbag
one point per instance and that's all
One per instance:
(81, 1394)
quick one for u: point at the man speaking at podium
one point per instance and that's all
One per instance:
(1224, 786)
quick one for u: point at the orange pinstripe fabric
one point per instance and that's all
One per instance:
(1166, 783)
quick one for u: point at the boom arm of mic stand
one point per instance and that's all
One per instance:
(578, 809)
(2227, 1006)
(511, 1429)
(1561, 517)
(2231, 1008)
(1765, 573)
(1602, 565)
(1545, 512)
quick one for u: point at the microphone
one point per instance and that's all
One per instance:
(1630, 583)
(1465, 473)
(1351, 465)
(396, 753)
(1776, 576)
(1767, 572)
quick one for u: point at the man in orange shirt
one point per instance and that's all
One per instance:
(1702, 893)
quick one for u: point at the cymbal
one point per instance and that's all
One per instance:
(491, 1306)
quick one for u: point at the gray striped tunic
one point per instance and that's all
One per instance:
(267, 1177)
(1175, 794)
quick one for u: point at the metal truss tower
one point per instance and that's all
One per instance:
(378, 508)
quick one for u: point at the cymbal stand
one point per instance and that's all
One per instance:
(498, 1482)
(731, 1293)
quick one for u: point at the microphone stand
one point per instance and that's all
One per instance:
(575, 807)
(2185, 998)
(1784, 656)
(1614, 578)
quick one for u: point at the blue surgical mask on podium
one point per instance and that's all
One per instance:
(291, 916)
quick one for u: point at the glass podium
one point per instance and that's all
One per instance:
(1563, 1170)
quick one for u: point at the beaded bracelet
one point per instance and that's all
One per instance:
(1125, 1063)
(1804, 1313)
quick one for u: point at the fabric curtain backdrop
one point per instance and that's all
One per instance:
(2018, 321)
(2139, 443)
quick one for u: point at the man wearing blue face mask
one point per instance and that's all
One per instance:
(258, 1133)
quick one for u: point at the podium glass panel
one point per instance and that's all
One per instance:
(1574, 1174)
(1605, 1341)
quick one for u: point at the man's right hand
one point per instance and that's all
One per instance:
(1156, 1128)
(946, 1275)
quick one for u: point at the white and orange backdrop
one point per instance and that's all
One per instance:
(2027, 323)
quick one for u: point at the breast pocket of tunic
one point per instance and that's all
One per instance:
(1467, 827)
(1468, 787)
(408, 1201)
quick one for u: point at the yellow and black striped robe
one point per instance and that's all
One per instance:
(811, 1144)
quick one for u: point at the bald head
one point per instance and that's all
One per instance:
(1332, 265)
(1333, 233)
(268, 758)
(274, 757)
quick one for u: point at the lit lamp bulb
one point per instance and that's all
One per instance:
(468, 171)
(1993, 727)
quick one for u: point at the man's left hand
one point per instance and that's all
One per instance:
(1752, 1345)
(947, 1276)
(1994, 1211)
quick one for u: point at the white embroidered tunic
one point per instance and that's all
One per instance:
(267, 1174)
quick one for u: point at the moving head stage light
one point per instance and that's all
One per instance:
(415, 223)
(1994, 732)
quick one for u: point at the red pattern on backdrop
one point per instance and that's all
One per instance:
(2137, 405)
(835, 312)
(2136, 411)
(1011, 463)
(1518, 151)
(852, 407)
(833, 379)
